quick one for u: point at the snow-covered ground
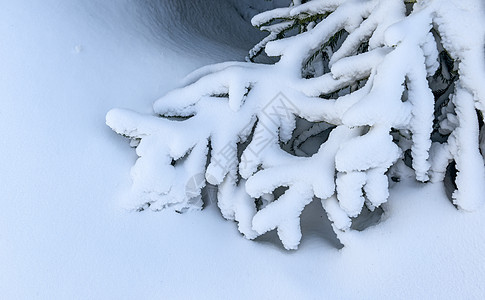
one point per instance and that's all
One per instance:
(64, 233)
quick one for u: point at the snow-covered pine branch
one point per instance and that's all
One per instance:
(371, 82)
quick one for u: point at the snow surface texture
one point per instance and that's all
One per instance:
(63, 65)
(375, 101)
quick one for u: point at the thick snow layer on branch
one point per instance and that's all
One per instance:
(463, 36)
(464, 145)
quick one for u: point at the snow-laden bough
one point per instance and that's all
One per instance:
(376, 84)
